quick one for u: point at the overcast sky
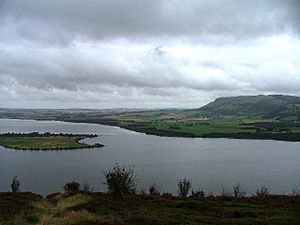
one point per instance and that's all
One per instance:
(145, 54)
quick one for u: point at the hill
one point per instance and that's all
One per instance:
(270, 106)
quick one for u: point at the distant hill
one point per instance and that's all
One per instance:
(280, 106)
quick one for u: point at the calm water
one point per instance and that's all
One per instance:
(211, 164)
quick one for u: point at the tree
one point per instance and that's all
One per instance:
(15, 185)
(184, 187)
(120, 181)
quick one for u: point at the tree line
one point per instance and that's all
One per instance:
(46, 134)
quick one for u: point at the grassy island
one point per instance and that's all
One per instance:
(45, 141)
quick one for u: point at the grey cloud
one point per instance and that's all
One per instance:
(63, 20)
(133, 53)
(73, 69)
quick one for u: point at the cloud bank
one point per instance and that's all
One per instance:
(131, 53)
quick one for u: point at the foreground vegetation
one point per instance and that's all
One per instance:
(123, 205)
(87, 208)
(45, 141)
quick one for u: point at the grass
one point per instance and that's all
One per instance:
(39, 142)
(19, 207)
(57, 142)
(80, 208)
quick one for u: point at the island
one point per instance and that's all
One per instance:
(46, 141)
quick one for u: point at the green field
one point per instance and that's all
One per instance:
(84, 208)
(199, 128)
(44, 143)
(184, 125)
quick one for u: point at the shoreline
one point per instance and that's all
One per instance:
(237, 136)
(284, 137)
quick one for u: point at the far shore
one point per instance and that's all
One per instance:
(287, 137)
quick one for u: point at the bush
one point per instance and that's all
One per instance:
(153, 190)
(184, 187)
(86, 187)
(167, 195)
(295, 191)
(120, 181)
(31, 217)
(72, 186)
(198, 194)
(237, 191)
(143, 192)
(262, 192)
(225, 194)
(15, 185)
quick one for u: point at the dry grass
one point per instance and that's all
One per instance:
(71, 218)
(64, 202)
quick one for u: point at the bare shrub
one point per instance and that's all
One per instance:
(15, 184)
(295, 191)
(238, 192)
(263, 191)
(225, 194)
(154, 190)
(86, 187)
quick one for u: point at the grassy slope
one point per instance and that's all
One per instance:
(270, 106)
(100, 209)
